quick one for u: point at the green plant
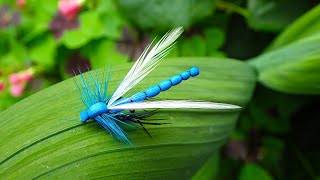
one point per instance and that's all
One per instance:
(276, 86)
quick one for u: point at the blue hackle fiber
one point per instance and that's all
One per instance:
(94, 96)
(98, 93)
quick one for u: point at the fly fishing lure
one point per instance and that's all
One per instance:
(112, 111)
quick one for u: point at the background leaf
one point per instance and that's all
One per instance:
(166, 14)
(215, 38)
(93, 25)
(96, 52)
(293, 68)
(38, 143)
(274, 15)
(209, 168)
(43, 51)
(306, 26)
(194, 46)
(252, 171)
(206, 44)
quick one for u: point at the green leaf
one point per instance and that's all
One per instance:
(215, 38)
(194, 46)
(74, 39)
(198, 45)
(164, 14)
(90, 28)
(252, 171)
(111, 19)
(209, 168)
(36, 17)
(274, 15)
(93, 25)
(38, 143)
(103, 52)
(293, 68)
(43, 51)
(16, 53)
(112, 24)
(306, 26)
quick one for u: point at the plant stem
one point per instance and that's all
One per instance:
(223, 5)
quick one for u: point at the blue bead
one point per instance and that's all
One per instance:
(165, 85)
(97, 109)
(176, 80)
(152, 91)
(185, 75)
(84, 116)
(194, 71)
(140, 96)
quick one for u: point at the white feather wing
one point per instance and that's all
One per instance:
(147, 61)
(176, 104)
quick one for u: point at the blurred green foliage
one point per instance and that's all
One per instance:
(293, 68)
(278, 38)
(165, 14)
(252, 171)
(274, 15)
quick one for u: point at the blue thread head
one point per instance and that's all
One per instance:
(84, 116)
(194, 71)
(97, 109)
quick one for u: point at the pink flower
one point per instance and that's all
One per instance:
(16, 90)
(70, 8)
(26, 76)
(21, 4)
(14, 78)
(2, 86)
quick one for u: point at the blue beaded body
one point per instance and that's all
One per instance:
(100, 107)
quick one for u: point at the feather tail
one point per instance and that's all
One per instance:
(176, 104)
(148, 60)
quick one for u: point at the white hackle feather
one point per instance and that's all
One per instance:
(176, 104)
(147, 61)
